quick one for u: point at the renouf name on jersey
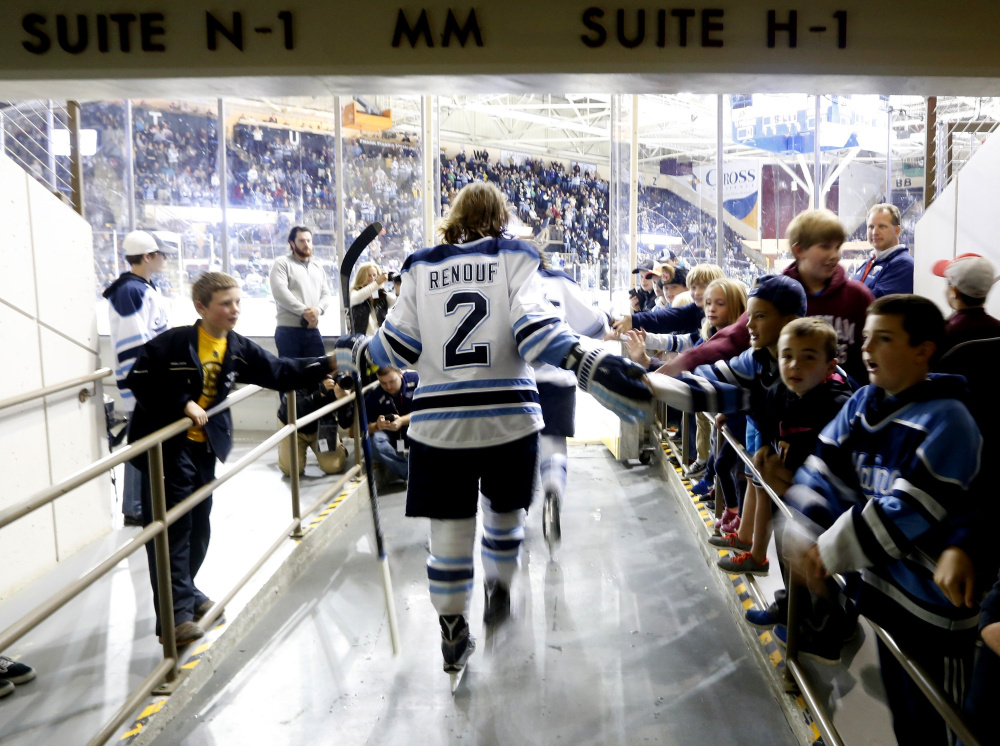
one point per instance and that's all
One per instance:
(483, 272)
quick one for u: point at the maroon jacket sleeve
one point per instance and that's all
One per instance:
(724, 344)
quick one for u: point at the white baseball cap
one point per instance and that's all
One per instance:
(138, 243)
(970, 274)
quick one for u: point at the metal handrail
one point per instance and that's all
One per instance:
(156, 530)
(97, 375)
(951, 715)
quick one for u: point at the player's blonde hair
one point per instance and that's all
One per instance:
(704, 274)
(735, 293)
(479, 210)
(814, 227)
(206, 285)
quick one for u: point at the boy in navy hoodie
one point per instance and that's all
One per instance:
(890, 474)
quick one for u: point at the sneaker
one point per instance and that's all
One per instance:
(708, 505)
(728, 541)
(695, 470)
(497, 607)
(457, 644)
(133, 520)
(744, 563)
(760, 618)
(185, 633)
(815, 647)
(701, 487)
(6, 688)
(730, 522)
(551, 529)
(14, 672)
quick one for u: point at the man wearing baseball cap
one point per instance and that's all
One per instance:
(137, 313)
(648, 272)
(972, 349)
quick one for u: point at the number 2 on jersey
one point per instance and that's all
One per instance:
(476, 354)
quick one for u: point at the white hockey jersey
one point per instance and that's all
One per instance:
(137, 313)
(470, 317)
(570, 305)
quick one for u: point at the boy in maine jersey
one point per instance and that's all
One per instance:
(890, 474)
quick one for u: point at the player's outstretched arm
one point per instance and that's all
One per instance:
(616, 382)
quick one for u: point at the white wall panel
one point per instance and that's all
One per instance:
(28, 547)
(45, 246)
(963, 219)
(934, 239)
(17, 285)
(65, 286)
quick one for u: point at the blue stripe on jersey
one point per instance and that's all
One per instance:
(488, 383)
(526, 330)
(469, 414)
(555, 273)
(378, 353)
(405, 339)
(482, 247)
(475, 399)
(129, 340)
(401, 350)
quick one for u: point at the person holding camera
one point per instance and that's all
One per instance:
(301, 295)
(320, 436)
(369, 301)
(388, 408)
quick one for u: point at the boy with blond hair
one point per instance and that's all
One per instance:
(182, 373)
(815, 237)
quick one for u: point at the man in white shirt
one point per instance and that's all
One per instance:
(300, 291)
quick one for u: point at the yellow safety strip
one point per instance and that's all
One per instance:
(198, 653)
(746, 600)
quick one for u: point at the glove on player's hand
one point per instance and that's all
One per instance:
(616, 382)
(350, 352)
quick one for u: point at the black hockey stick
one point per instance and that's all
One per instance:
(350, 259)
(347, 267)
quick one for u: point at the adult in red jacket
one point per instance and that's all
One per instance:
(830, 295)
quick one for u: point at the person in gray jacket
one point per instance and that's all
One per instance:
(300, 291)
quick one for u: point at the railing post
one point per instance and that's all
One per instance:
(792, 623)
(685, 438)
(161, 546)
(357, 431)
(291, 406)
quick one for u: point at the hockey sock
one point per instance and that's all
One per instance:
(501, 543)
(449, 566)
(553, 464)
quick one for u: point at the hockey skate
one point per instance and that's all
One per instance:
(551, 529)
(457, 644)
(497, 607)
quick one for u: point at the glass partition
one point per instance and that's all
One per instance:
(564, 161)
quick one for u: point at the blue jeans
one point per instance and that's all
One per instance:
(294, 341)
(384, 452)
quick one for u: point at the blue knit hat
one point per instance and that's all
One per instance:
(784, 293)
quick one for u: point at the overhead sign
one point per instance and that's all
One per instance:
(67, 40)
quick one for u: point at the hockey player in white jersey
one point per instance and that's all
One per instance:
(557, 393)
(470, 317)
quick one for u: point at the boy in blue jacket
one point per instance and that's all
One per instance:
(182, 373)
(890, 474)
